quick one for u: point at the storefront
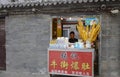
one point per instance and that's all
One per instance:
(30, 27)
(60, 35)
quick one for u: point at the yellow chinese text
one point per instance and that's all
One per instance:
(74, 66)
(54, 64)
(64, 64)
(85, 66)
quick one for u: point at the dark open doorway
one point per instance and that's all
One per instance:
(2, 44)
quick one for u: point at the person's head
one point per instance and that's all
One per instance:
(72, 34)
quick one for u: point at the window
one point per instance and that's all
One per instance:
(68, 24)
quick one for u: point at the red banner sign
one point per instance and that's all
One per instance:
(70, 63)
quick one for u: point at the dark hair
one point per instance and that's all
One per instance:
(72, 32)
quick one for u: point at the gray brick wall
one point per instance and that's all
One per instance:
(27, 40)
(110, 46)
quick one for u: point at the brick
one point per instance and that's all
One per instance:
(27, 38)
(104, 53)
(114, 74)
(113, 65)
(104, 66)
(27, 42)
(104, 74)
(113, 52)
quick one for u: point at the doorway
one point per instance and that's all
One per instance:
(2, 44)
